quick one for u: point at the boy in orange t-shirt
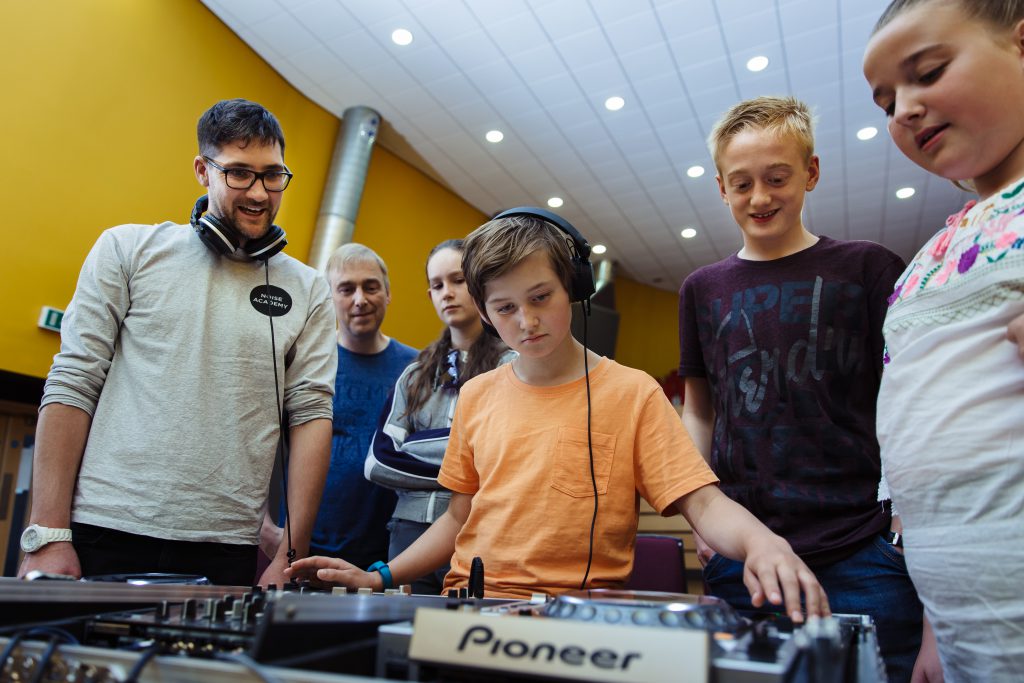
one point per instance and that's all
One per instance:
(533, 440)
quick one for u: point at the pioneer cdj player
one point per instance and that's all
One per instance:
(598, 635)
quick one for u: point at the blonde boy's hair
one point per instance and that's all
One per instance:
(353, 252)
(498, 246)
(783, 116)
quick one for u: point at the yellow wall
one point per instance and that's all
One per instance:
(101, 103)
(403, 215)
(648, 330)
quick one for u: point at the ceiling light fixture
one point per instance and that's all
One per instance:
(759, 63)
(867, 133)
(905, 192)
(695, 171)
(599, 249)
(614, 103)
(555, 202)
(494, 136)
(688, 233)
(401, 36)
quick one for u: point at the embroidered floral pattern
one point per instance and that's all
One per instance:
(967, 259)
(978, 233)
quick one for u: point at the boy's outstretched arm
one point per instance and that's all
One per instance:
(699, 420)
(771, 569)
(432, 550)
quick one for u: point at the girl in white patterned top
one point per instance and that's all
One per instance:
(950, 76)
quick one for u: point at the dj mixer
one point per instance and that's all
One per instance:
(303, 634)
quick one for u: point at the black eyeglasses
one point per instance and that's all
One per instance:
(244, 178)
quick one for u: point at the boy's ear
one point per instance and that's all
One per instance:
(1018, 38)
(721, 189)
(813, 172)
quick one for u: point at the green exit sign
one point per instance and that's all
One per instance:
(49, 318)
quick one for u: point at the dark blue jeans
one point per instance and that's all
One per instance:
(403, 534)
(872, 581)
(107, 551)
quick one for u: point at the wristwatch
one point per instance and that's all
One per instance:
(35, 537)
(895, 539)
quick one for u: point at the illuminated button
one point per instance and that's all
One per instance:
(669, 618)
(695, 618)
(715, 617)
(641, 617)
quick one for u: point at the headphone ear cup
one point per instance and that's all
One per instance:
(268, 245)
(583, 286)
(214, 234)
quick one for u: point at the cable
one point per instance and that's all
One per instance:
(11, 644)
(140, 663)
(54, 633)
(249, 663)
(44, 661)
(282, 443)
(590, 446)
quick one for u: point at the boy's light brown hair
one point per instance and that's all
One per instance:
(783, 116)
(498, 246)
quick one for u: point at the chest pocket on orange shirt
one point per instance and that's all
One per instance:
(570, 472)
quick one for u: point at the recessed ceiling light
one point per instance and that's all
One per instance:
(401, 36)
(688, 233)
(599, 249)
(905, 192)
(759, 63)
(614, 103)
(867, 133)
(555, 202)
(695, 171)
(494, 136)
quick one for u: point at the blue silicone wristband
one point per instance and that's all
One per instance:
(385, 573)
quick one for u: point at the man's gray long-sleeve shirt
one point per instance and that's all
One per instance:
(168, 346)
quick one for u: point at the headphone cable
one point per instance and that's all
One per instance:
(585, 306)
(282, 446)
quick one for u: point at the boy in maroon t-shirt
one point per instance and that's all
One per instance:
(781, 351)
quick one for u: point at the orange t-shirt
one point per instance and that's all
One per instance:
(521, 452)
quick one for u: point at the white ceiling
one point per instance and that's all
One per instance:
(540, 71)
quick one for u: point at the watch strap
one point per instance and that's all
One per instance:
(385, 573)
(54, 535)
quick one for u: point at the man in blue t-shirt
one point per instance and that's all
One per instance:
(353, 516)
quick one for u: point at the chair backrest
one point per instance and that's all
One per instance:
(658, 565)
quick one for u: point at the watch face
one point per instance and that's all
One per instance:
(30, 540)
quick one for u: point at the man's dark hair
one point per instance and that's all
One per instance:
(239, 121)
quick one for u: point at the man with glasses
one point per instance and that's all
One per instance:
(182, 353)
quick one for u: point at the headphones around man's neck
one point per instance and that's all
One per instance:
(223, 239)
(582, 283)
